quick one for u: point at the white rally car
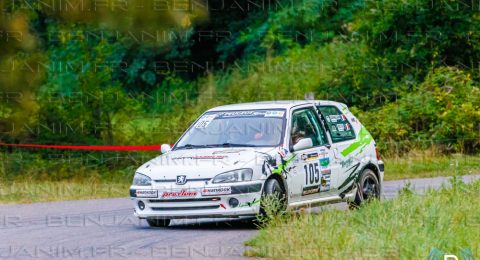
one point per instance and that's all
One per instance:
(307, 152)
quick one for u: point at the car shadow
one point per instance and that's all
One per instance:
(215, 224)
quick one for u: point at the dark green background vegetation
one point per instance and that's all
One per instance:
(141, 74)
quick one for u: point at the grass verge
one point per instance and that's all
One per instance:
(424, 165)
(40, 191)
(27, 178)
(408, 227)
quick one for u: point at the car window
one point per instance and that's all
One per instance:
(305, 124)
(337, 123)
(236, 128)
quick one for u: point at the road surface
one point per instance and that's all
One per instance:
(106, 228)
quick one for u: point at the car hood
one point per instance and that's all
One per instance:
(203, 163)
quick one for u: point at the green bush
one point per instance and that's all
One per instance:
(443, 113)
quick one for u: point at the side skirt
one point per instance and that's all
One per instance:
(322, 201)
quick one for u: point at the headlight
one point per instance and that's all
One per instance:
(234, 176)
(141, 180)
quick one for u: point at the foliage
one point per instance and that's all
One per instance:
(406, 68)
(444, 110)
(421, 33)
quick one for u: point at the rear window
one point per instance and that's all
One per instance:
(340, 128)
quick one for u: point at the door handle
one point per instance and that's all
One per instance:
(336, 154)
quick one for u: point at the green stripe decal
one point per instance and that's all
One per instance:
(364, 139)
(283, 166)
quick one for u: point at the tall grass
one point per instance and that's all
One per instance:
(408, 227)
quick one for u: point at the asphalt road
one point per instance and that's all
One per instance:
(106, 228)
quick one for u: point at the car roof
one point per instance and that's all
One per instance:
(277, 104)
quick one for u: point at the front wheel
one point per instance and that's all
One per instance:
(274, 198)
(158, 222)
(368, 188)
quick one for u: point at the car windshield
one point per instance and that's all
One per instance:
(235, 128)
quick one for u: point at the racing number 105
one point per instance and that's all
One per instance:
(312, 173)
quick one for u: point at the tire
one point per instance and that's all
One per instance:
(274, 190)
(368, 189)
(158, 222)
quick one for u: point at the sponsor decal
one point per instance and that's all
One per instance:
(274, 113)
(341, 127)
(346, 163)
(240, 114)
(216, 191)
(334, 118)
(200, 157)
(347, 127)
(146, 193)
(309, 157)
(310, 190)
(343, 117)
(205, 121)
(325, 161)
(179, 194)
(323, 186)
(325, 182)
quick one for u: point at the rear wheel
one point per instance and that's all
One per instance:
(273, 199)
(158, 222)
(368, 188)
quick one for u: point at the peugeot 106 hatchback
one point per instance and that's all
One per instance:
(302, 152)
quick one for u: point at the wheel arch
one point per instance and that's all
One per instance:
(280, 179)
(374, 168)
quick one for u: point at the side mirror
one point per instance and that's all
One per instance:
(304, 143)
(165, 148)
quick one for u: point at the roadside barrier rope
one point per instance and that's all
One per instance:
(90, 147)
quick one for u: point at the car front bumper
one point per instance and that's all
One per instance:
(243, 199)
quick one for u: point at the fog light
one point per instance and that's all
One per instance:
(233, 202)
(141, 205)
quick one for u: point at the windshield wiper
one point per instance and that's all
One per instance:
(237, 145)
(191, 146)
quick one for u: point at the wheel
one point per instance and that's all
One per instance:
(368, 188)
(273, 199)
(158, 222)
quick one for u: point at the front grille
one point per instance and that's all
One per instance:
(188, 180)
(186, 200)
(186, 208)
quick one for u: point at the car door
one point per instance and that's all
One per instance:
(342, 133)
(312, 173)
